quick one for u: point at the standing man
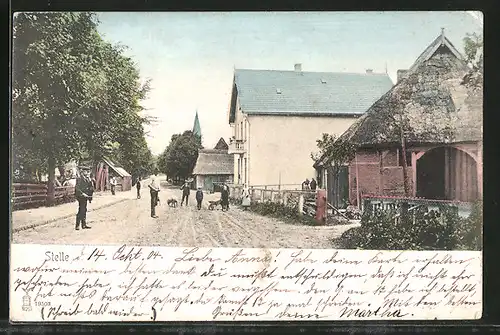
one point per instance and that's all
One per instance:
(138, 186)
(112, 182)
(199, 198)
(225, 197)
(83, 192)
(154, 188)
(186, 189)
(313, 185)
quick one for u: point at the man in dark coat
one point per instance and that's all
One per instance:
(186, 189)
(84, 190)
(199, 198)
(224, 197)
(138, 186)
(313, 185)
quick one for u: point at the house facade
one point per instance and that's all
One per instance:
(437, 114)
(277, 116)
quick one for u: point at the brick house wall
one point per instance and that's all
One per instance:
(379, 172)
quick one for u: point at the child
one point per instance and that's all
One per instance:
(199, 198)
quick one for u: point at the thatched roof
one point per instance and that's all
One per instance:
(214, 162)
(434, 101)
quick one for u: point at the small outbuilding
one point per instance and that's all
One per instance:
(107, 169)
(213, 167)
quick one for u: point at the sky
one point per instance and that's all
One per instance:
(190, 57)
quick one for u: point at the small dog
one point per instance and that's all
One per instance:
(213, 204)
(172, 202)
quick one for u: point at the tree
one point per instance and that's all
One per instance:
(49, 62)
(179, 158)
(473, 47)
(334, 150)
(74, 95)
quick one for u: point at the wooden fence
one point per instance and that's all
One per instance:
(394, 203)
(33, 195)
(302, 201)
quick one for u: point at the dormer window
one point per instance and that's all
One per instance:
(278, 91)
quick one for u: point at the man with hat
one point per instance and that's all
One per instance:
(84, 190)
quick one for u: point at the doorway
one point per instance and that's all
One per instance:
(447, 173)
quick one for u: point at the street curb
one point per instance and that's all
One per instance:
(43, 223)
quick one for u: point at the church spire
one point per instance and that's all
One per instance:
(196, 126)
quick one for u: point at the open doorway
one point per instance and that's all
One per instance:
(338, 186)
(431, 175)
(447, 173)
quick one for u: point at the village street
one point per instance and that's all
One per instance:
(129, 222)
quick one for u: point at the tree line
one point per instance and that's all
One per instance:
(74, 96)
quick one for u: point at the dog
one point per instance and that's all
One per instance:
(213, 204)
(172, 202)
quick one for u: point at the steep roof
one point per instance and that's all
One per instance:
(196, 125)
(306, 93)
(221, 145)
(438, 42)
(434, 102)
(214, 162)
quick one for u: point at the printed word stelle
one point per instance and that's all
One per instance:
(60, 256)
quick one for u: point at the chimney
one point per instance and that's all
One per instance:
(401, 75)
(368, 71)
(298, 67)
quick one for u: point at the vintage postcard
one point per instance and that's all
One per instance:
(234, 166)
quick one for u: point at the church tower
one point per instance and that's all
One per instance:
(196, 126)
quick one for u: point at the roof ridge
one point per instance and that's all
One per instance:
(432, 48)
(316, 72)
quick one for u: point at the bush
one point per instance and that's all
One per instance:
(443, 230)
(281, 211)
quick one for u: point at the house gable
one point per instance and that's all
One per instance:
(440, 45)
(221, 145)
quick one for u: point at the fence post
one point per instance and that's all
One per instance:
(301, 204)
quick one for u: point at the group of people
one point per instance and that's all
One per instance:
(224, 200)
(309, 185)
(84, 190)
(186, 191)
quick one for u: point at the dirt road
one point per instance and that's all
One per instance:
(130, 222)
